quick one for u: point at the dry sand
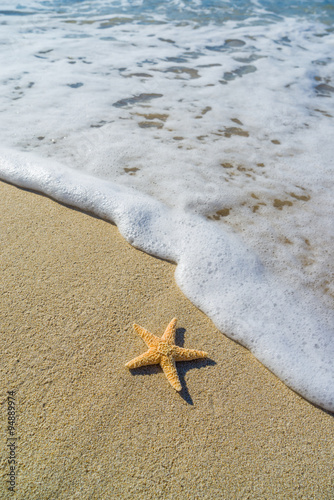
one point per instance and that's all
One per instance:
(71, 288)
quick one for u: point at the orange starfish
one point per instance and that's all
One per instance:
(163, 351)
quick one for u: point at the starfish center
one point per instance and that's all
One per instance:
(164, 348)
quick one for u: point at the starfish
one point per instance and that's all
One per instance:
(163, 351)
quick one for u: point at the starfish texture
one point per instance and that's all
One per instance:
(164, 352)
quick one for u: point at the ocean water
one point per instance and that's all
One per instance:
(204, 130)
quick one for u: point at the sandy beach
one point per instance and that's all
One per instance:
(88, 428)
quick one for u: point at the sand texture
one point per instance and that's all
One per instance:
(71, 288)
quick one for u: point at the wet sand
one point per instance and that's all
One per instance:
(71, 288)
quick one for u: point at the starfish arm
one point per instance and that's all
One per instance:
(169, 369)
(150, 357)
(150, 339)
(182, 354)
(169, 335)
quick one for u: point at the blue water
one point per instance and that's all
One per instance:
(199, 11)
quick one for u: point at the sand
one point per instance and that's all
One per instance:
(71, 288)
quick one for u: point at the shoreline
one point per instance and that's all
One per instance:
(71, 290)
